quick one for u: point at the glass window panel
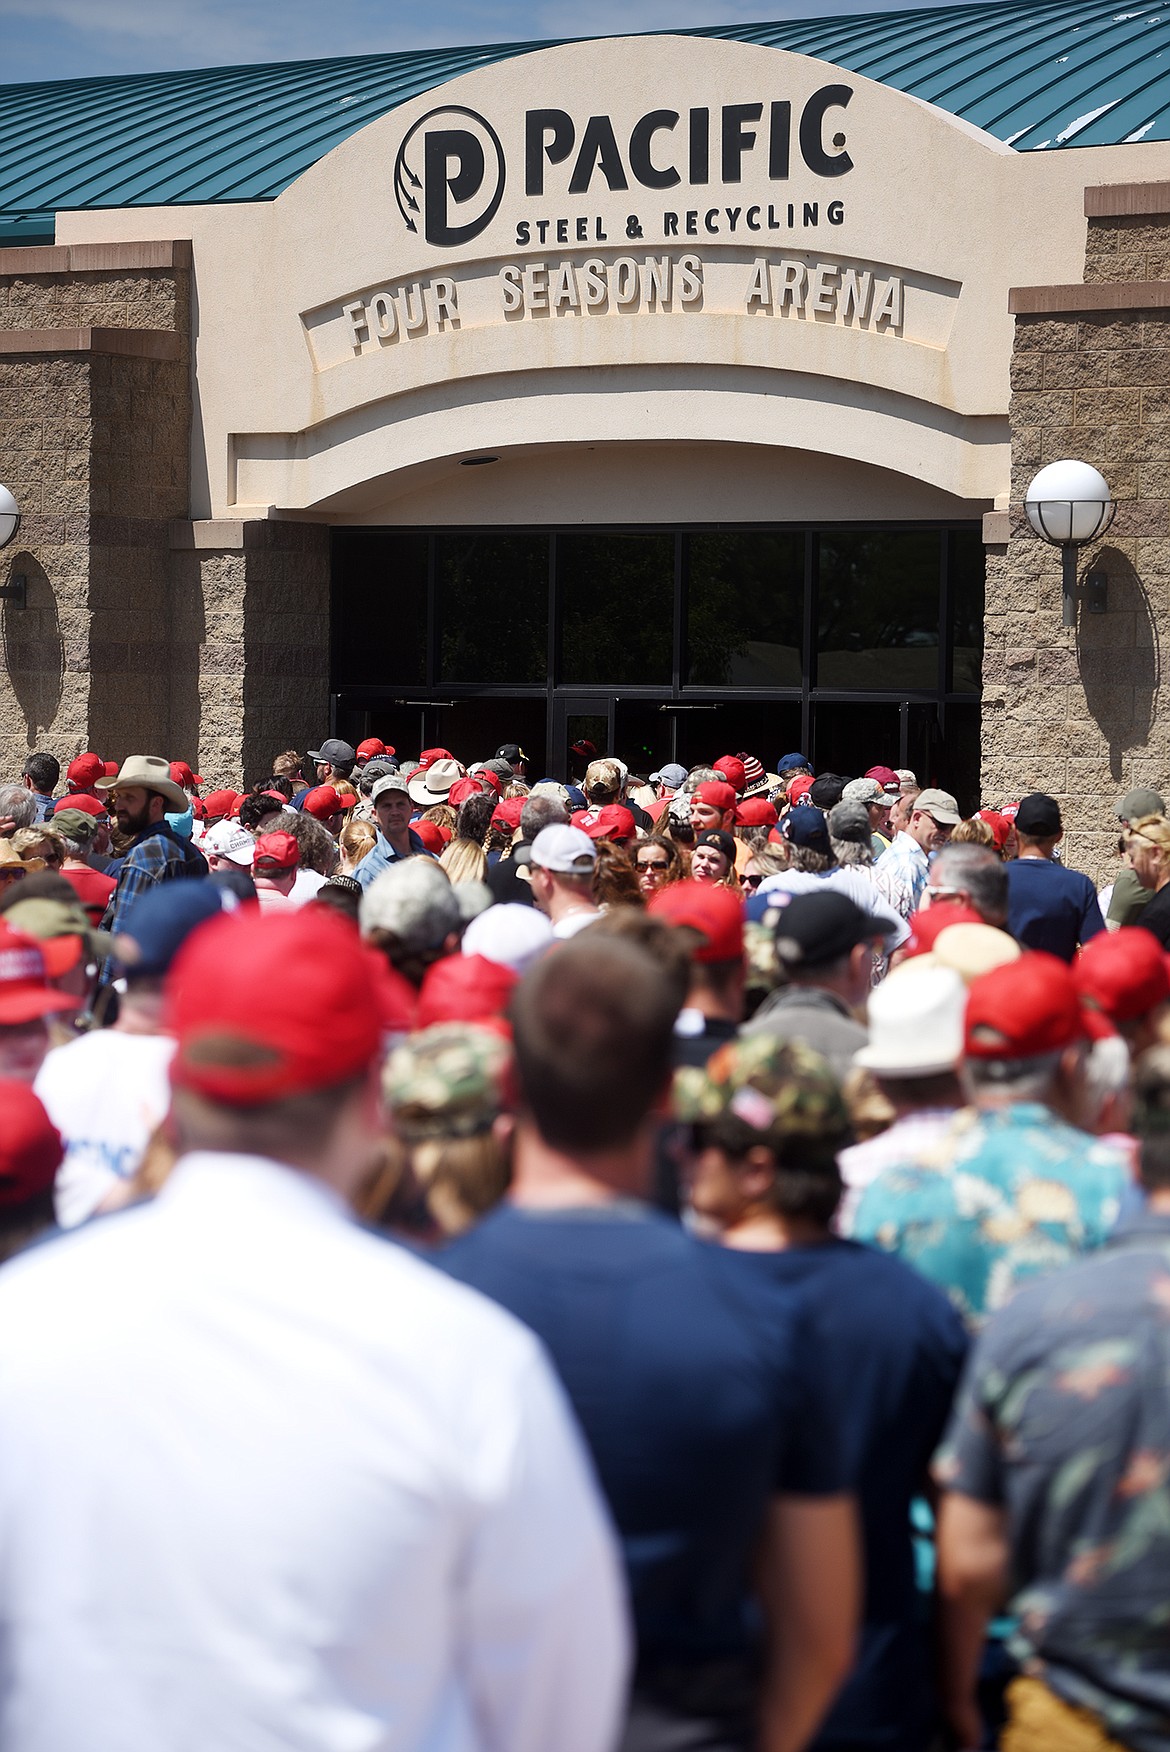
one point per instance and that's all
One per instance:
(379, 608)
(617, 609)
(877, 610)
(966, 586)
(849, 735)
(745, 610)
(493, 607)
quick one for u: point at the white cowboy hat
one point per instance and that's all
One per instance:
(432, 784)
(152, 773)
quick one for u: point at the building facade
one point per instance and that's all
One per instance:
(675, 392)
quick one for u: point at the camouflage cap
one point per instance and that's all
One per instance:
(447, 1081)
(758, 1089)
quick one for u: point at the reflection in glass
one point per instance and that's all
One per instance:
(493, 606)
(617, 606)
(379, 607)
(745, 610)
(877, 610)
(967, 585)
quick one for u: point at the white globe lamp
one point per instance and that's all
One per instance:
(1069, 504)
(9, 516)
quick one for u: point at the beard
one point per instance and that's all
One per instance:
(134, 824)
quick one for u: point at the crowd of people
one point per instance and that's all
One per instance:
(674, 1262)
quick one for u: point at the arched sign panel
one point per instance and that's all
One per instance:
(649, 241)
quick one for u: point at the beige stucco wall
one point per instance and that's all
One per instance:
(289, 416)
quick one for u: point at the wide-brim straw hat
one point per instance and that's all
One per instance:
(152, 773)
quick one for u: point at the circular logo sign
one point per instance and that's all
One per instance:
(449, 176)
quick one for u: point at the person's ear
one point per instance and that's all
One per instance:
(757, 1172)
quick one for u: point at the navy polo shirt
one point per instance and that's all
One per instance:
(698, 1399)
(1050, 907)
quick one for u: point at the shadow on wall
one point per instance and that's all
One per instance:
(1119, 658)
(34, 651)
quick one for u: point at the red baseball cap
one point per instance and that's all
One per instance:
(182, 775)
(488, 776)
(429, 756)
(462, 789)
(507, 814)
(614, 822)
(431, 835)
(370, 749)
(323, 803)
(24, 995)
(110, 768)
(1000, 825)
(801, 786)
(1123, 974)
(886, 777)
(297, 986)
(85, 770)
(926, 927)
(704, 907)
(30, 1146)
(1024, 1009)
(221, 803)
(716, 793)
(1009, 811)
(756, 812)
(89, 805)
(733, 771)
(278, 850)
(464, 988)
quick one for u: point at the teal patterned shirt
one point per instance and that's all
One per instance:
(1063, 1421)
(1006, 1195)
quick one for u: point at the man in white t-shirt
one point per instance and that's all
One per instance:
(107, 1091)
(266, 1479)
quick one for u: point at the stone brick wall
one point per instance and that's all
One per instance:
(1083, 712)
(250, 630)
(95, 414)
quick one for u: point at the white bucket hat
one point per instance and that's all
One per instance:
(915, 1023)
(152, 773)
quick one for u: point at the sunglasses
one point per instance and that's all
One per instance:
(655, 864)
(751, 881)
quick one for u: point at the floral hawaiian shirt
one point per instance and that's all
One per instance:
(1005, 1195)
(1064, 1422)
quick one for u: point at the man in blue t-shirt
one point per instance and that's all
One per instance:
(767, 1122)
(1049, 906)
(698, 1399)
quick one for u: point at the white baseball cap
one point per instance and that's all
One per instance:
(511, 934)
(564, 850)
(391, 782)
(227, 839)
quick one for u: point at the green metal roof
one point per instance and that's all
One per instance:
(1038, 74)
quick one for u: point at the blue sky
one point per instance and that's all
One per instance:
(69, 39)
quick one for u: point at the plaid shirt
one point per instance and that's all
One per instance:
(157, 855)
(900, 874)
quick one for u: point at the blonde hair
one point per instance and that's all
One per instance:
(1154, 829)
(441, 814)
(286, 765)
(464, 861)
(973, 832)
(357, 840)
(43, 842)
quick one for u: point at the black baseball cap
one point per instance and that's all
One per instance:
(825, 790)
(814, 930)
(1039, 816)
(512, 753)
